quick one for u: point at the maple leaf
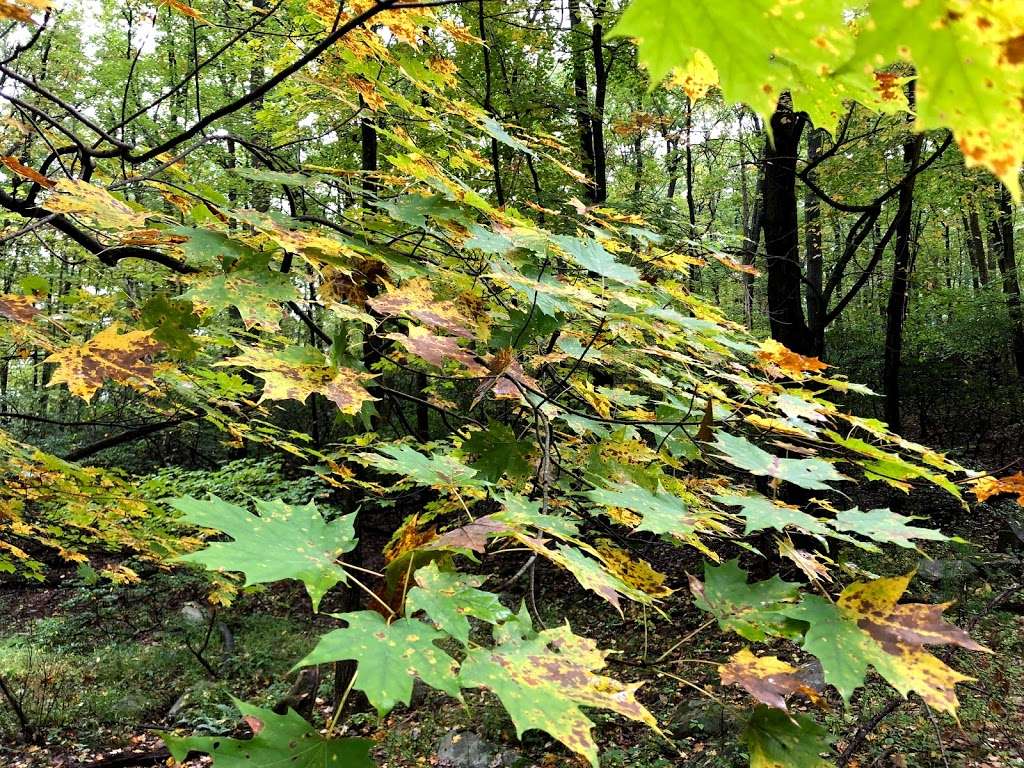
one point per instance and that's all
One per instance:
(295, 373)
(967, 74)
(277, 740)
(867, 626)
(185, 10)
(448, 598)
(812, 474)
(884, 526)
(436, 350)
(22, 10)
(305, 547)
(415, 299)
(107, 356)
(987, 487)
(543, 680)
(756, 58)
(590, 255)
(776, 356)
(659, 512)
(498, 453)
(80, 198)
(753, 611)
(249, 286)
(172, 322)
(766, 678)
(437, 470)
(20, 309)
(472, 537)
(778, 740)
(761, 513)
(25, 171)
(634, 571)
(389, 657)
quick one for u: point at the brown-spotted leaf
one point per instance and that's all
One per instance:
(80, 198)
(473, 536)
(415, 299)
(108, 356)
(437, 350)
(20, 309)
(867, 626)
(767, 678)
(297, 372)
(544, 680)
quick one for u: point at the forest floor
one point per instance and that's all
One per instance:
(100, 669)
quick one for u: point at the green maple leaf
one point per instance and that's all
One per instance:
(498, 453)
(661, 512)
(278, 740)
(282, 542)
(590, 255)
(436, 470)
(753, 610)
(519, 512)
(884, 526)
(759, 47)
(172, 322)
(761, 513)
(812, 474)
(448, 598)
(389, 657)
(250, 286)
(777, 739)
(543, 679)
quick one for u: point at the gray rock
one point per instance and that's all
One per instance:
(813, 675)
(934, 571)
(193, 613)
(697, 716)
(464, 750)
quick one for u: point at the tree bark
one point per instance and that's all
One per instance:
(816, 310)
(896, 308)
(581, 92)
(1002, 226)
(782, 231)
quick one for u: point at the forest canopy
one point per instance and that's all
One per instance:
(513, 346)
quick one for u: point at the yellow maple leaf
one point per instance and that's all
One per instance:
(108, 356)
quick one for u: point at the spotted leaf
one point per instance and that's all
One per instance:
(107, 356)
(389, 657)
(543, 680)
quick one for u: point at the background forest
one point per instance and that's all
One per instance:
(675, 366)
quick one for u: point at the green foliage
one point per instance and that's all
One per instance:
(778, 740)
(505, 371)
(278, 740)
(449, 598)
(306, 547)
(390, 655)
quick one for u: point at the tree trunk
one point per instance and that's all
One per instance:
(691, 208)
(812, 248)
(499, 192)
(600, 95)
(976, 243)
(581, 92)
(1002, 226)
(782, 231)
(899, 290)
